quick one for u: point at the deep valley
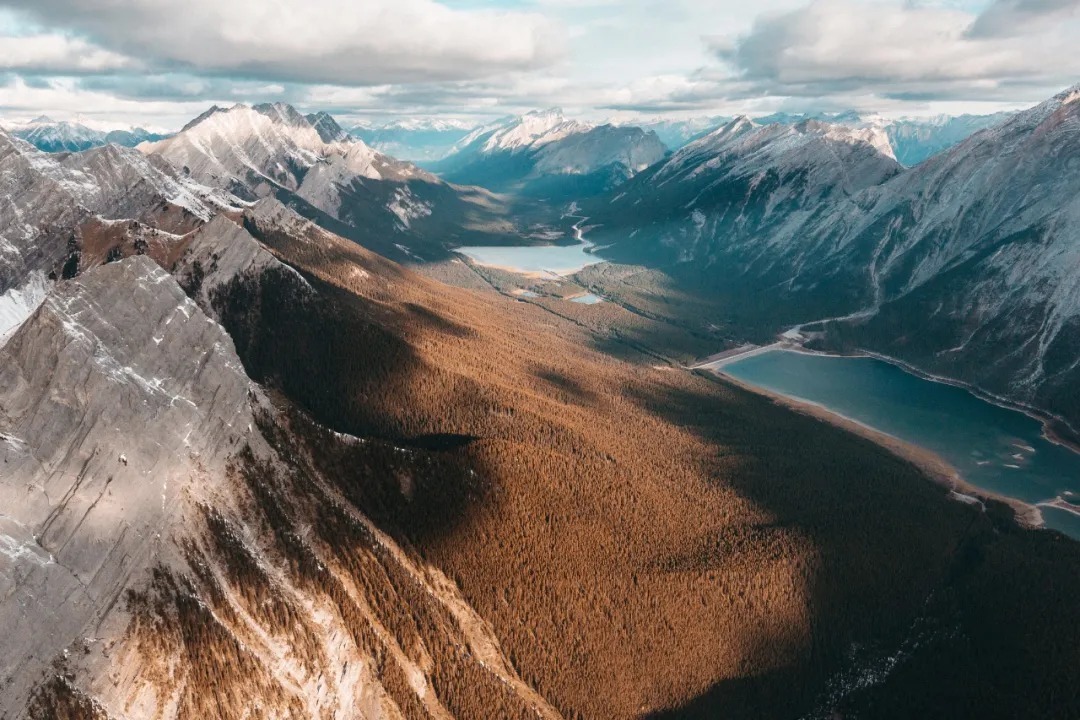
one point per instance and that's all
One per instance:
(291, 428)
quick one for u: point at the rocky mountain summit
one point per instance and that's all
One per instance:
(55, 136)
(313, 165)
(963, 265)
(544, 154)
(59, 213)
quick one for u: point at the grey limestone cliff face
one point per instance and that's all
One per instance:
(173, 544)
(116, 397)
(45, 198)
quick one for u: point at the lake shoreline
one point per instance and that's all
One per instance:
(932, 465)
(1056, 429)
(474, 255)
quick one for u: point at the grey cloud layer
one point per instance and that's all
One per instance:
(424, 56)
(907, 51)
(317, 41)
(1005, 18)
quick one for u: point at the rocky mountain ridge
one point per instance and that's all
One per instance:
(961, 265)
(55, 207)
(544, 154)
(311, 163)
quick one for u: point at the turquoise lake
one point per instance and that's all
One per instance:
(548, 259)
(999, 450)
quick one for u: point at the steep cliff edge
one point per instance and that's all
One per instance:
(170, 548)
(118, 398)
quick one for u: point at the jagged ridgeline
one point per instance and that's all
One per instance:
(250, 469)
(964, 266)
(545, 155)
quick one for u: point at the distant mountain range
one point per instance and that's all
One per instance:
(545, 155)
(965, 265)
(913, 139)
(430, 140)
(916, 140)
(313, 165)
(674, 134)
(416, 140)
(53, 136)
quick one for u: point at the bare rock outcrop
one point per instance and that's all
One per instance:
(115, 398)
(174, 544)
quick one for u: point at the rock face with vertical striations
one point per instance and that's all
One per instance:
(118, 398)
(54, 209)
(171, 545)
(309, 163)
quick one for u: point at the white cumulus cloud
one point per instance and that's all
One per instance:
(841, 46)
(343, 42)
(55, 53)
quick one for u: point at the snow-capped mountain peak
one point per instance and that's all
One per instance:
(327, 127)
(538, 127)
(58, 136)
(283, 113)
(545, 153)
(736, 127)
(227, 147)
(874, 136)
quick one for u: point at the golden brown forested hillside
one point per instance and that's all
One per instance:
(644, 540)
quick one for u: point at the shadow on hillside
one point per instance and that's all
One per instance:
(350, 364)
(879, 536)
(567, 388)
(347, 363)
(883, 535)
(766, 697)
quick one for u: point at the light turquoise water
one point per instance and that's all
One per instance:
(542, 259)
(588, 299)
(994, 448)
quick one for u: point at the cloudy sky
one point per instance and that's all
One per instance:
(160, 62)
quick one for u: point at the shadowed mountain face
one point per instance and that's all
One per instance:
(544, 155)
(727, 218)
(962, 265)
(314, 166)
(599, 539)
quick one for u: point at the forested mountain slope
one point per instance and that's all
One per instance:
(964, 265)
(332, 487)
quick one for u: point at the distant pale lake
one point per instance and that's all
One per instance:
(543, 259)
(999, 450)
